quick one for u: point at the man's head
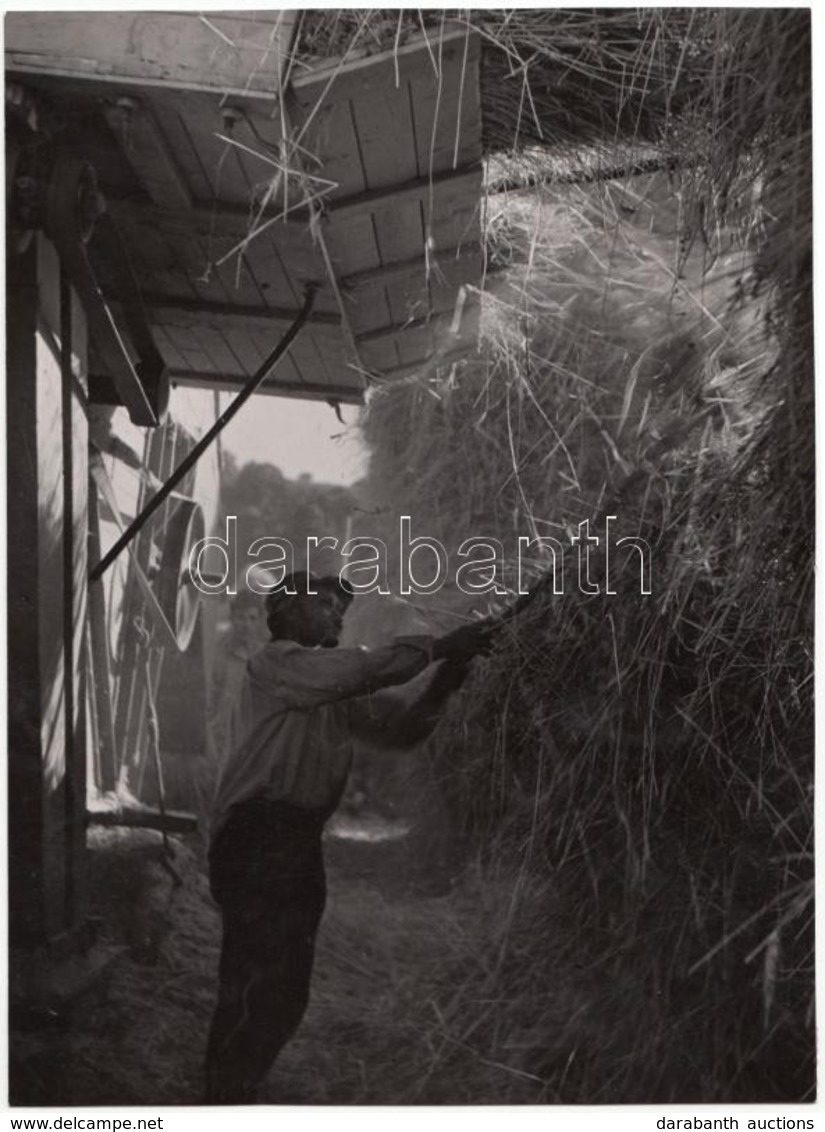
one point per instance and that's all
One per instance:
(246, 612)
(308, 609)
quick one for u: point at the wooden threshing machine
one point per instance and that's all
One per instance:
(191, 210)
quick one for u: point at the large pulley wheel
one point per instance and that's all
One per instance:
(73, 201)
(177, 594)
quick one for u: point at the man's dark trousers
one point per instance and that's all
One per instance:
(266, 872)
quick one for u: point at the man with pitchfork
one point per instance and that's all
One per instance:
(302, 702)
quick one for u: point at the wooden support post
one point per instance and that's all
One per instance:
(47, 509)
(100, 651)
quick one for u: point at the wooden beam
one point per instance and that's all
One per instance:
(164, 309)
(457, 181)
(219, 218)
(403, 269)
(230, 53)
(106, 753)
(304, 391)
(101, 323)
(145, 148)
(434, 322)
(170, 821)
(223, 219)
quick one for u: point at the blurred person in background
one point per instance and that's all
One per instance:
(245, 636)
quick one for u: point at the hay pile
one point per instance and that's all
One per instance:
(645, 761)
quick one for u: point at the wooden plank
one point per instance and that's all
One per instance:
(334, 81)
(262, 279)
(264, 269)
(170, 821)
(459, 222)
(294, 368)
(171, 354)
(186, 343)
(251, 348)
(49, 454)
(235, 274)
(307, 359)
(401, 236)
(343, 370)
(233, 282)
(76, 430)
(417, 342)
(289, 368)
(202, 117)
(259, 139)
(437, 338)
(213, 342)
(414, 294)
(332, 140)
(109, 342)
(446, 114)
(405, 306)
(352, 243)
(25, 673)
(236, 364)
(244, 348)
(225, 285)
(379, 354)
(149, 154)
(228, 52)
(168, 117)
(154, 260)
(56, 628)
(192, 262)
(386, 141)
(192, 121)
(194, 312)
(282, 265)
(303, 390)
(203, 218)
(368, 311)
(226, 219)
(291, 263)
(105, 747)
(413, 270)
(441, 187)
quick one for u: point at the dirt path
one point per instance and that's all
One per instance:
(137, 1038)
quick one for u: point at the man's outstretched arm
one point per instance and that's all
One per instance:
(386, 718)
(295, 677)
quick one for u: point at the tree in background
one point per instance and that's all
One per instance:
(268, 505)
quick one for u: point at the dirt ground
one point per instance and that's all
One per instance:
(136, 1037)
